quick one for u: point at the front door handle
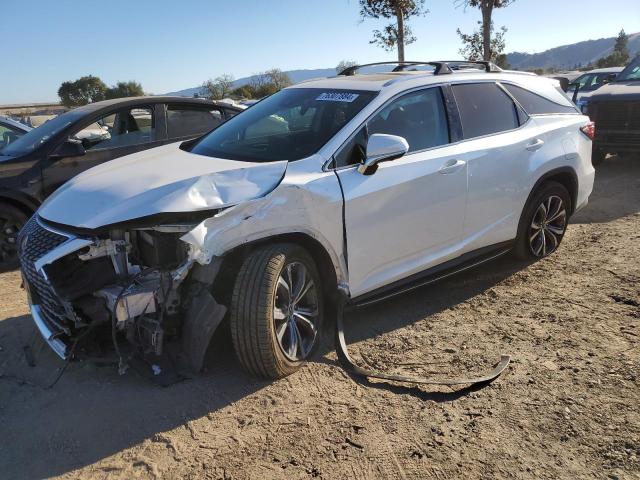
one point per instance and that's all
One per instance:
(452, 166)
(535, 145)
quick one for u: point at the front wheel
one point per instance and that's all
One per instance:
(276, 310)
(12, 220)
(544, 222)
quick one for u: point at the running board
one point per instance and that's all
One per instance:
(432, 275)
(435, 274)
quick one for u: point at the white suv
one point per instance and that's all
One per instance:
(368, 184)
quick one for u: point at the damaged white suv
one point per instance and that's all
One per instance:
(368, 184)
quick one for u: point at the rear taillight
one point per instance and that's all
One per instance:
(589, 130)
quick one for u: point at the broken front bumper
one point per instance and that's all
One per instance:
(52, 339)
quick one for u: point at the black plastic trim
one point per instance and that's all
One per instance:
(433, 274)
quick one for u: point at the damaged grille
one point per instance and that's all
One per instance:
(34, 242)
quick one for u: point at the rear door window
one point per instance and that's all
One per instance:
(484, 109)
(534, 104)
(184, 121)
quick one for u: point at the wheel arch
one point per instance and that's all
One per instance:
(233, 258)
(566, 176)
(23, 202)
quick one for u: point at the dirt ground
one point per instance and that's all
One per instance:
(567, 407)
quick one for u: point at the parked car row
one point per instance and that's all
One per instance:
(34, 163)
(347, 189)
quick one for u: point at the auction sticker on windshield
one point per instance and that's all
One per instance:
(337, 97)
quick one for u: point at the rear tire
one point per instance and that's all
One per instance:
(276, 310)
(598, 156)
(12, 219)
(544, 222)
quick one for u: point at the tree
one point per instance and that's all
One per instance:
(84, 90)
(344, 64)
(620, 55)
(124, 89)
(218, 88)
(473, 46)
(268, 83)
(278, 78)
(488, 43)
(397, 34)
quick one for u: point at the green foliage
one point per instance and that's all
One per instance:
(219, 88)
(481, 42)
(260, 85)
(396, 34)
(91, 89)
(620, 55)
(344, 64)
(473, 45)
(124, 89)
(84, 90)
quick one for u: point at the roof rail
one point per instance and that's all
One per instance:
(441, 67)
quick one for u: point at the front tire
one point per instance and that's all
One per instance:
(544, 222)
(276, 310)
(12, 220)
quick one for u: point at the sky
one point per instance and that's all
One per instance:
(171, 45)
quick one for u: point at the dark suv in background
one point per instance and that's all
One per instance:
(37, 163)
(615, 109)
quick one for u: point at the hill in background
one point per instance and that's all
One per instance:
(566, 57)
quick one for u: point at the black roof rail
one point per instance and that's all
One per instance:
(441, 67)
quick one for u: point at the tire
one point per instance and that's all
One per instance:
(270, 337)
(12, 219)
(597, 157)
(535, 243)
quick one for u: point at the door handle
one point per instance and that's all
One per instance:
(535, 145)
(451, 166)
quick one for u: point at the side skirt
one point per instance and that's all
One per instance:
(433, 274)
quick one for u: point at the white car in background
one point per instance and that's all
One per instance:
(588, 83)
(364, 184)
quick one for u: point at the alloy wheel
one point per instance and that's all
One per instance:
(295, 311)
(548, 226)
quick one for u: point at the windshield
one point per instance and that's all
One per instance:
(632, 72)
(36, 137)
(590, 81)
(289, 125)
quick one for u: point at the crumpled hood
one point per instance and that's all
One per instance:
(161, 180)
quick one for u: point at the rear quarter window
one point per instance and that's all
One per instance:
(535, 104)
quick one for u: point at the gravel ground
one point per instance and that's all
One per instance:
(567, 407)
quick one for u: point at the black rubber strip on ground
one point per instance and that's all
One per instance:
(350, 366)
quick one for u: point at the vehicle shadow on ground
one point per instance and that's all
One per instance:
(92, 412)
(616, 192)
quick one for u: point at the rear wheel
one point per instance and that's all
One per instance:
(276, 310)
(11, 221)
(597, 156)
(544, 222)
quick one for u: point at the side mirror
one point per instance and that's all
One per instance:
(610, 78)
(564, 83)
(382, 148)
(69, 148)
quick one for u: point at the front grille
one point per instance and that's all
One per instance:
(618, 116)
(35, 241)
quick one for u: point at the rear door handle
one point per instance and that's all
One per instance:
(452, 166)
(535, 145)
